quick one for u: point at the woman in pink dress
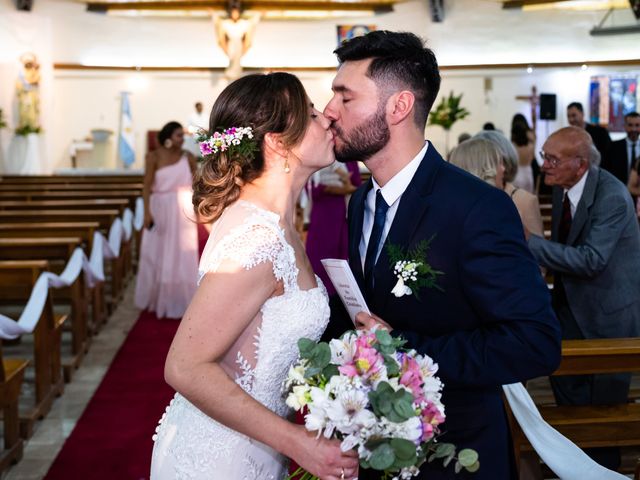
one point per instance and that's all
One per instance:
(327, 233)
(168, 266)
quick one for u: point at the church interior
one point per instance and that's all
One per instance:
(87, 85)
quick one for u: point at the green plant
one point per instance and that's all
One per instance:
(26, 130)
(448, 112)
(3, 123)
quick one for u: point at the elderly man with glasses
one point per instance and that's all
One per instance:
(594, 253)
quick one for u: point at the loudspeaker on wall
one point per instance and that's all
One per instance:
(547, 106)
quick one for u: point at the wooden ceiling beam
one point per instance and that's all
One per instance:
(246, 5)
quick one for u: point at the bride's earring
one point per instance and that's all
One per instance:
(168, 143)
(286, 165)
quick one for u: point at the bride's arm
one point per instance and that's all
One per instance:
(222, 308)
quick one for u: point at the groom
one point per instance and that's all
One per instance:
(490, 321)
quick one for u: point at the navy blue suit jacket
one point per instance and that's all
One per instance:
(492, 323)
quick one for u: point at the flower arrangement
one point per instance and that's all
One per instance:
(411, 269)
(26, 130)
(448, 112)
(378, 398)
(233, 140)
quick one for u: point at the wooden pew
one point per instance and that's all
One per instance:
(57, 250)
(104, 217)
(84, 230)
(17, 279)
(94, 204)
(591, 425)
(11, 377)
(130, 195)
(62, 187)
(71, 179)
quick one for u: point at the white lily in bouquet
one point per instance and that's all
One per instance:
(378, 398)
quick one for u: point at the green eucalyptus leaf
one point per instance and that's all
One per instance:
(330, 371)
(306, 347)
(404, 449)
(473, 468)
(404, 409)
(383, 337)
(382, 457)
(443, 450)
(322, 355)
(467, 457)
(311, 372)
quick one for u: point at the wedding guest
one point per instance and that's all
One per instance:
(526, 203)
(257, 296)
(168, 265)
(524, 140)
(599, 135)
(594, 252)
(327, 233)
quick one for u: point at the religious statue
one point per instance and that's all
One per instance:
(27, 92)
(235, 35)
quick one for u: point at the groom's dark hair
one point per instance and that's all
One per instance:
(400, 60)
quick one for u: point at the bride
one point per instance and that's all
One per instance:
(257, 296)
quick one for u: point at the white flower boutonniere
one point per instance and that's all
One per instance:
(412, 269)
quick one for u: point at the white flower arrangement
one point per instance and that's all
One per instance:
(411, 269)
(232, 139)
(378, 398)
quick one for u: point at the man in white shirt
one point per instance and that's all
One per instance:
(198, 120)
(594, 253)
(489, 321)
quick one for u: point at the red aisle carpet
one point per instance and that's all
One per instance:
(112, 439)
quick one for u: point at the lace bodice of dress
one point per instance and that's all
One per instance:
(260, 359)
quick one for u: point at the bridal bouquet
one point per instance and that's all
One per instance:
(378, 398)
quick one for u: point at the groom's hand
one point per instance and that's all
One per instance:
(364, 321)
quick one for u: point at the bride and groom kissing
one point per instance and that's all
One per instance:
(489, 322)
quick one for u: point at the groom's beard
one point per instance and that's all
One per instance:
(365, 140)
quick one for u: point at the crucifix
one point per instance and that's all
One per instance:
(534, 101)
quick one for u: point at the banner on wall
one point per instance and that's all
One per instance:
(126, 148)
(611, 98)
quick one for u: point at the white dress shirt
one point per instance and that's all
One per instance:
(575, 193)
(391, 192)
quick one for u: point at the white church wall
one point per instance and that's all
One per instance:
(90, 99)
(473, 33)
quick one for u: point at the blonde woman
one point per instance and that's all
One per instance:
(483, 157)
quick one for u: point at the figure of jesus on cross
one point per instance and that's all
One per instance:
(534, 101)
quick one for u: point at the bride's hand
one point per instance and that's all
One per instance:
(323, 458)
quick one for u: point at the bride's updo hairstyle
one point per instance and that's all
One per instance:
(276, 103)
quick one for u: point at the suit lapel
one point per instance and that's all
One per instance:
(584, 204)
(413, 207)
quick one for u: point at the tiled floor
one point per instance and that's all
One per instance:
(50, 433)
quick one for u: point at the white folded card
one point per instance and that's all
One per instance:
(345, 284)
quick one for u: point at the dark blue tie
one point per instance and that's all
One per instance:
(374, 240)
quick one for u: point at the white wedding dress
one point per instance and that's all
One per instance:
(191, 445)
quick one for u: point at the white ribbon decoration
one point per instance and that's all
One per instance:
(93, 268)
(560, 454)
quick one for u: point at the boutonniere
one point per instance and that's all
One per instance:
(412, 269)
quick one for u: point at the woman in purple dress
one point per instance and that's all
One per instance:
(327, 235)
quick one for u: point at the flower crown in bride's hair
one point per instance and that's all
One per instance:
(233, 140)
